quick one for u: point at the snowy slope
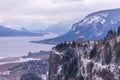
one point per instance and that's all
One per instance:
(93, 27)
(96, 25)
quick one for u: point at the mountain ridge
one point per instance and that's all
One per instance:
(93, 27)
(4, 32)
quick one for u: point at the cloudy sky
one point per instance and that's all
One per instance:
(42, 13)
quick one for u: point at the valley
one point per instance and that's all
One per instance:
(90, 50)
(13, 68)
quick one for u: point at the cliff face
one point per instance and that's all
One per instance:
(86, 60)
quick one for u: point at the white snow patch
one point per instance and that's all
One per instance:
(43, 77)
(118, 67)
(59, 69)
(50, 35)
(96, 78)
(2, 57)
(71, 43)
(99, 33)
(4, 72)
(58, 53)
(118, 39)
(99, 66)
(103, 21)
(95, 19)
(112, 67)
(20, 60)
(67, 42)
(77, 32)
(112, 22)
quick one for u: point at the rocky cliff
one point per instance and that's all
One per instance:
(86, 60)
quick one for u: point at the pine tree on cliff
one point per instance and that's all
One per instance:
(118, 31)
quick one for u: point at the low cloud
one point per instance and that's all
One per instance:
(51, 11)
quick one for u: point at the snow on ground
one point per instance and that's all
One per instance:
(19, 60)
(77, 32)
(5, 73)
(1, 57)
(44, 77)
(58, 53)
(59, 69)
(50, 35)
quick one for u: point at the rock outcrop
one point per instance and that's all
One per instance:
(86, 60)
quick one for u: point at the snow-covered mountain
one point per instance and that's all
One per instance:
(93, 27)
(4, 31)
(96, 25)
(58, 28)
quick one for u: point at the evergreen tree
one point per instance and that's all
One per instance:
(110, 33)
(118, 31)
(93, 51)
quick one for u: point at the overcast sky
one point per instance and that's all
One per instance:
(46, 12)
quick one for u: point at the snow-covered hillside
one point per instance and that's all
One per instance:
(93, 27)
(96, 25)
